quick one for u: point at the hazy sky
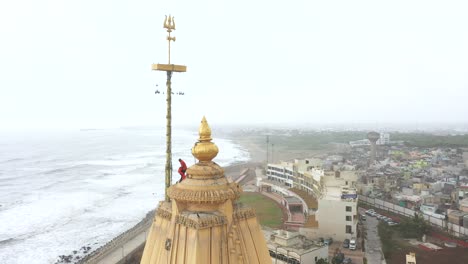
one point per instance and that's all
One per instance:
(86, 63)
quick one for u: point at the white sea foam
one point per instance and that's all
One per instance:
(63, 191)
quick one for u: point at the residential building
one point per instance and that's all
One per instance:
(291, 247)
(335, 214)
(384, 139)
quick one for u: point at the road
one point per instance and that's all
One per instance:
(355, 255)
(372, 243)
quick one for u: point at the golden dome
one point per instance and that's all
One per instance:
(204, 149)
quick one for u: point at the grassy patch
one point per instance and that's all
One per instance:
(268, 212)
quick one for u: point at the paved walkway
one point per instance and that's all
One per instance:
(120, 252)
(372, 243)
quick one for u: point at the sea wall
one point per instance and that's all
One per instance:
(120, 241)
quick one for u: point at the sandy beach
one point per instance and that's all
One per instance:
(258, 154)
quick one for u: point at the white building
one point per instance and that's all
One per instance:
(383, 140)
(282, 173)
(336, 214)
(361, 142)
(290, 247)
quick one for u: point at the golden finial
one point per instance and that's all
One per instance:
(204, 149)
(204, 131)
(169, 24)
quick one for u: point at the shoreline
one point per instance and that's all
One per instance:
(232, 171)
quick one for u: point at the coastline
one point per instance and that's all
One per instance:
(86, 254)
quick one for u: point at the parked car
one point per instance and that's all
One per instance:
(347, 261)
(328, 241)
(352, 244)
(392, 223)
(370, 211)
(363, 218)
(346, 243)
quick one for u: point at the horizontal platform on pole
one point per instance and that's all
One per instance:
(169, 67)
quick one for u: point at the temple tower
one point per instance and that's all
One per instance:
(202, 223)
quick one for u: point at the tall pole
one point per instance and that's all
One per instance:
(168, 174)
(268, 143)
(272, 157)
(169, 24)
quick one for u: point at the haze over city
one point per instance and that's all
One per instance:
(313, 150)
(86, 64)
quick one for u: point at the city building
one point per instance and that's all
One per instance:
(293, 248)
(282, 172)
(335, 213)
(384, 139)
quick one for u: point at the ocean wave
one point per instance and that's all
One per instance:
(12, 160)
(104, 190)
(9, 241)
(114, 162)
(64, 169)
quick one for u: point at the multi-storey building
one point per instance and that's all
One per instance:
(384, 139)
(334, 189)
(287, 247)
(282, 172)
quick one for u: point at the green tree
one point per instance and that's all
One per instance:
(414, 227)
(386, 237)
(322, 261)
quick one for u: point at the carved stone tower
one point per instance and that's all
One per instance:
(202, 223)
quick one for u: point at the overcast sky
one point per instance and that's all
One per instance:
(88, 63)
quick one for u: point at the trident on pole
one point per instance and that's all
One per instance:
(169, 24)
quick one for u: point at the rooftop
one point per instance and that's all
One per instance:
(297, 245)
(332, 193)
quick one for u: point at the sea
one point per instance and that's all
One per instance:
(60, 191)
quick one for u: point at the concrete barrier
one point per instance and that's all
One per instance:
(134, 234)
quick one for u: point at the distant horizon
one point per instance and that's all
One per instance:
(86, 64)
(338, 126)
